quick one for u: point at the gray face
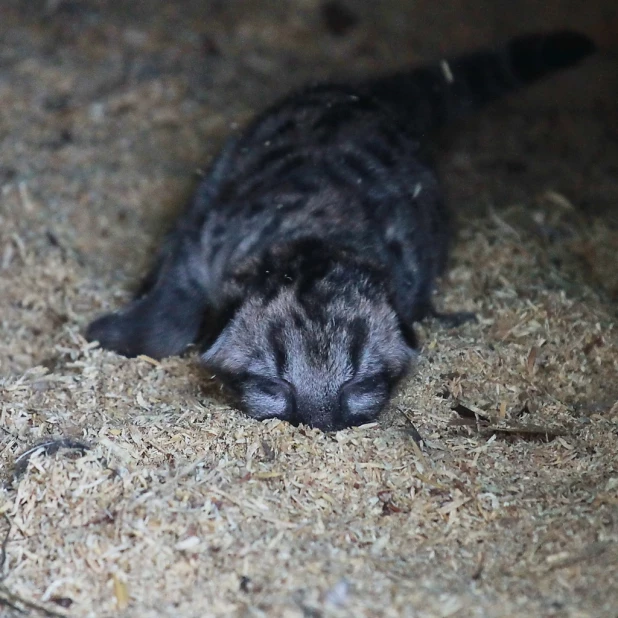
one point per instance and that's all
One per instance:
(329, 370)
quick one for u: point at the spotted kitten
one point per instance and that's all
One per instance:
(313, 244)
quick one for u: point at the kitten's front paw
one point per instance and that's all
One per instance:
(455, 319)
(114, 332)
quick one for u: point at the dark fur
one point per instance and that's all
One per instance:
(314, 242)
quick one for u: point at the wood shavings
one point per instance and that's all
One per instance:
(121, 592)
(558, 199)
(151, 361)
(446, 71)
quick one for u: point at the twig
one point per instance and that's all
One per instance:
(49, 447)
(14, 601)
(5, 542)
(412, 430)
(10, 599)
(7, 603)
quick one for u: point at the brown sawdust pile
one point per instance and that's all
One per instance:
(165, 501)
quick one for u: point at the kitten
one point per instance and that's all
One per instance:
(313, 244)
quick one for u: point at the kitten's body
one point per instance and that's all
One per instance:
(313, 244)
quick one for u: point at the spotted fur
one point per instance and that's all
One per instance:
(313, 244)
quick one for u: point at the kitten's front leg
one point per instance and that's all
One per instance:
(452, 319)
(161, 323)
(171, 303)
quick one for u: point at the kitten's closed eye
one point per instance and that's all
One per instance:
(264, 397)
(362, 399)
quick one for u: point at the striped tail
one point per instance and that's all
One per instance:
(431, 96)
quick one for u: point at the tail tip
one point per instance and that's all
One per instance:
(535, 55)
(567, 47)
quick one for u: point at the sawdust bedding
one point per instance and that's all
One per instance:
(489, 488)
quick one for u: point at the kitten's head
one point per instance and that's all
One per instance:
(328, 359)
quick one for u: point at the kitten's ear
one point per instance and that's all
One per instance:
(227, 353)
(213, 356)
(409, 335)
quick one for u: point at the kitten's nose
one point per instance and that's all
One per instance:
(323, 416)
